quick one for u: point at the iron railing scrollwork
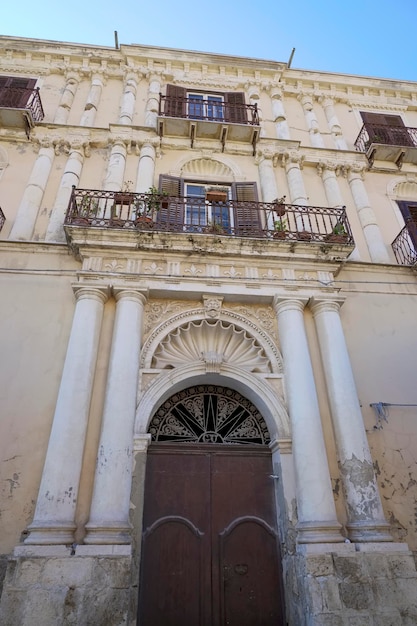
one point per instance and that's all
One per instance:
(385, 135)
(230, 218)
(207, 110)
(22, 98)
(405, 244)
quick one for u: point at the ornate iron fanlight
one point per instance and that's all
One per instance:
(209, 414)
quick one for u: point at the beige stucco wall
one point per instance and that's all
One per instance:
(37, 301)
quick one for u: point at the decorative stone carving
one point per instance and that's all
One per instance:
(223, 341)
(212, 306)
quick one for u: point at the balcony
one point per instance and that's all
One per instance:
(205, 119)
(380, 142)
(131, 217)
(20, 107)
(405, 244)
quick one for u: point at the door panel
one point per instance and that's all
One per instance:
(209, 551)
(250, 576)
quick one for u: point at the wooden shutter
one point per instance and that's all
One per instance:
(15, 92)
(235, 109)
(246, 212)
(175, 103)
(171, 217)
(389, 129)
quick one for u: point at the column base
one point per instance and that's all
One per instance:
(50, 533)
(364, 531)
(108, 533)
(319, 532)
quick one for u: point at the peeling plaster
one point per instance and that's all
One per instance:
(361, 476)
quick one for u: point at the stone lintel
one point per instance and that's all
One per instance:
(103, 550)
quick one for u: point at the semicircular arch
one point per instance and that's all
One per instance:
(252, 387)
(219, 169)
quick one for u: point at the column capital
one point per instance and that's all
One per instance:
(284, 446)
(127, 293)
(292, 159)
(142, 442)
(89, 292)
(291, 303)
(325, 305)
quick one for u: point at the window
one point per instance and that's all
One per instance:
(193, 104)
(205, 106)
(195, 205)
(207, 206)
(386, 129)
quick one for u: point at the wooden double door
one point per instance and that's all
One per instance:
(210, 553)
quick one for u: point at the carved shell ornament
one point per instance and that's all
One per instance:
(213, 340)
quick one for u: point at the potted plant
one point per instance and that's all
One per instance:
(280, 229)
(217, 194)
(214, 227)
(338, 234)
(279, 206)
(125, 196)
(86, 210)
(156, 200)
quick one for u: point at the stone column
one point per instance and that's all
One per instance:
(53, 522)
(67, 98)
(278, 114)
(366, 521)
(333, 122)
(293, 163)
(70, 177)
(312, 123)
(116, 166)
(267, 176)
(109, 515)
(146, 168)
(93, 100)
(27, 213)
(152, 104)
(328, 171)
(127, 107)
(377, 249)
(254, 97)
(317, 521)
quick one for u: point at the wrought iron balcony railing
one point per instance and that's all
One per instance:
(12, 97)
(230, 218)
(208, 110)
(2, 219)
(388, 143)
(405, 244)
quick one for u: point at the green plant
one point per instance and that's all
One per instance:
(280, 225)
(155, 199)
(88, 207)
(214, 227)
(339, 229)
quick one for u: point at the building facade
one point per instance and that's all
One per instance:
(208, 405)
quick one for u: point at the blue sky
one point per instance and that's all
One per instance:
(366, 37)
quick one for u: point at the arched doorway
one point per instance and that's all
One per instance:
(210, 551)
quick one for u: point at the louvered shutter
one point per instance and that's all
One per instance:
(175, 103)
(246, 212)
(15, 92)
(389, 129)
(171, 217)
(235, 107)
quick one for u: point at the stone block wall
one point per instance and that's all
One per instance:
(79, 590)
(374, 586)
